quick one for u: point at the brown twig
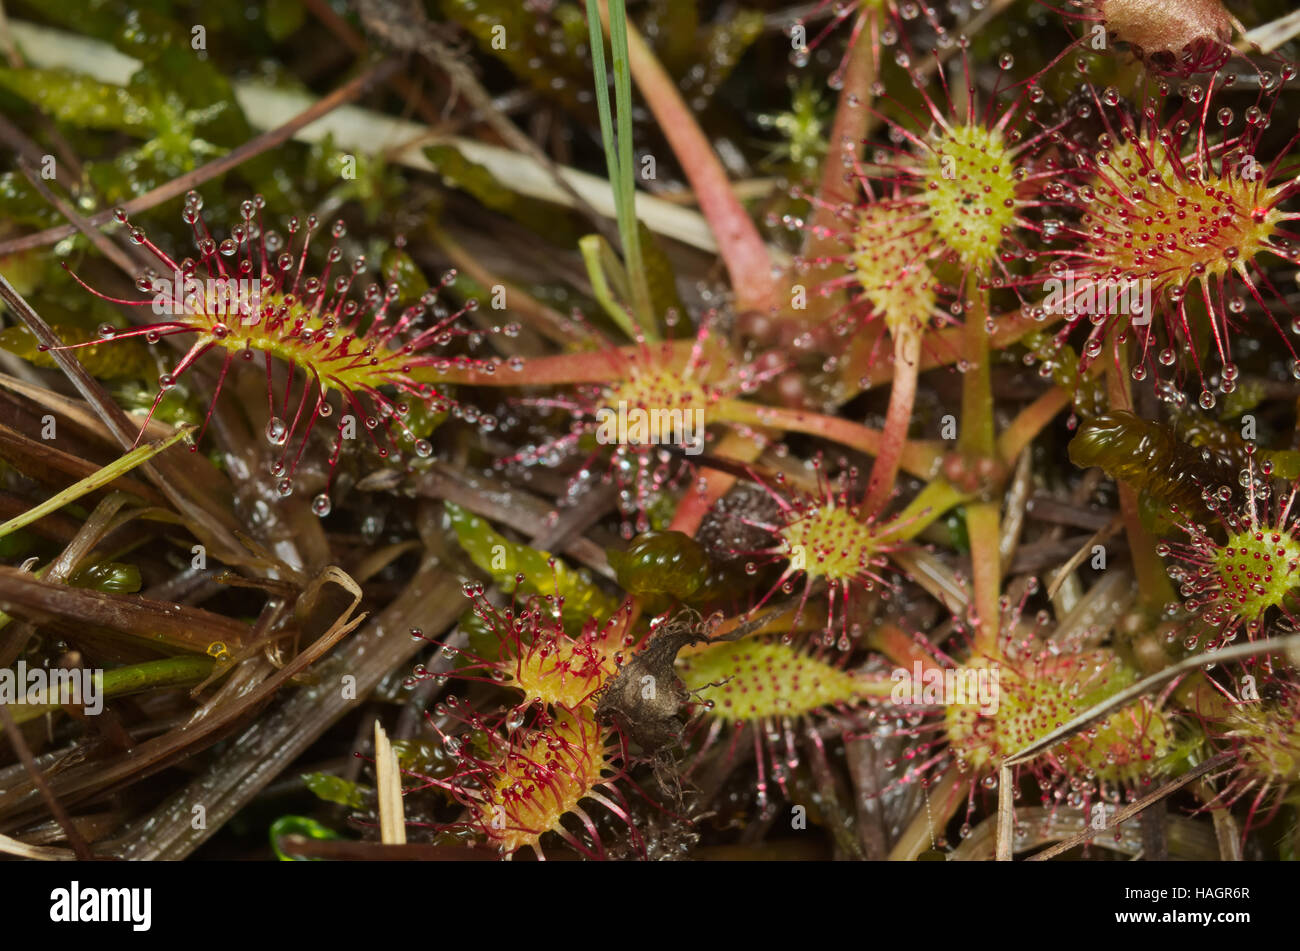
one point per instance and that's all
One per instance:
(101, 241)
(231, 160)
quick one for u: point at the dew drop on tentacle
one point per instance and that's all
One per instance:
(277, 431)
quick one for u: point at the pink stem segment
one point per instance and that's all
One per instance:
(741, 246)
(920, 458)
(902, 397)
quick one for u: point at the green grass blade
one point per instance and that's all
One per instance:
(618, 153)
(602, 103)
(95, 480)
(628, 229)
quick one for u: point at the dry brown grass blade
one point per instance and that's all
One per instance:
(38, 460)
(88, 779)
(504, 504)
(942, 798)
(1095, 614)
(96, 481)
(932, 574)
(1006, 813)
(99, 523)
(388, 786)
(175, 477)
(1077, 558)
(90, 389)
(38, 853)
(1226, 832)
(314, 598)
(1015, 507)
(42, 785)
(379, 559)
(174, 625)
(77, 413)
(432, 600)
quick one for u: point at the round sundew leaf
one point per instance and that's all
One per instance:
(1257, 569)
(890, 246)
(1034, 698)
(540, 776)
(752, 680)
(970, 191)
(828, 541)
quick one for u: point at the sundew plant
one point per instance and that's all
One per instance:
(650, 429)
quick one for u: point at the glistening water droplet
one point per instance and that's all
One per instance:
(277, 431)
